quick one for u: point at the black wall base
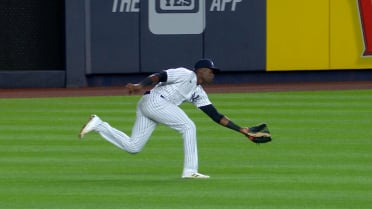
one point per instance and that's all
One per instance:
(33, 79)
(249, 77)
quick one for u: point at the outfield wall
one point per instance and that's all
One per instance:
(106, 42)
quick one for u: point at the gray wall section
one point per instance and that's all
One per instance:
(75, 43)
(159, 52)
(119, 38)
(171, 51)
(113, 39)
(236, 40)
(106, 37)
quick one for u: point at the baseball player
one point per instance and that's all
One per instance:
(161, 105)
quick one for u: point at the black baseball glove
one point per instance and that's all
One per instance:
(259, 134)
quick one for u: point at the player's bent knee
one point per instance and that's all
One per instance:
(189, 127)
(134, 150)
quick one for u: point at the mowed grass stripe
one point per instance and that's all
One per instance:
(320, 156)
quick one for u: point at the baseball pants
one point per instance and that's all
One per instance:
(151, 110)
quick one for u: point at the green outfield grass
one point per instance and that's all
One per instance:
(320, 156)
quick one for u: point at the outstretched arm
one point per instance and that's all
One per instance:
(212, 112)
(257, 134)
(150, 80)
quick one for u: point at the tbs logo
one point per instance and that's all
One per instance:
(168, 17)
(177, 6)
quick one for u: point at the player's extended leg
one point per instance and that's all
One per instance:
(174, 117)
(141, 132)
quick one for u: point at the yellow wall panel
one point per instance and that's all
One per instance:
(297, 35)
(346, 39)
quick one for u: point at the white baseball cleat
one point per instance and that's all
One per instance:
(93, 121)
(195, 176)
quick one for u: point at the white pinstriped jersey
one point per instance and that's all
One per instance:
(181, 86)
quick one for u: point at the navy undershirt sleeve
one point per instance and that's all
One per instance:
(163, 77)
(212, 112)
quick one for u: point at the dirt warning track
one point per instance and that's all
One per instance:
(222, 88)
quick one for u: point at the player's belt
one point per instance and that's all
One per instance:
(148, 92)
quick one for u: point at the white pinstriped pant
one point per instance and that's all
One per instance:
(151, 110)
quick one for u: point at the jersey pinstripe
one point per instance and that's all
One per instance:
(181, 86)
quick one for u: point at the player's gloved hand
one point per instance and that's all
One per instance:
(133, 88)
(258, 134)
